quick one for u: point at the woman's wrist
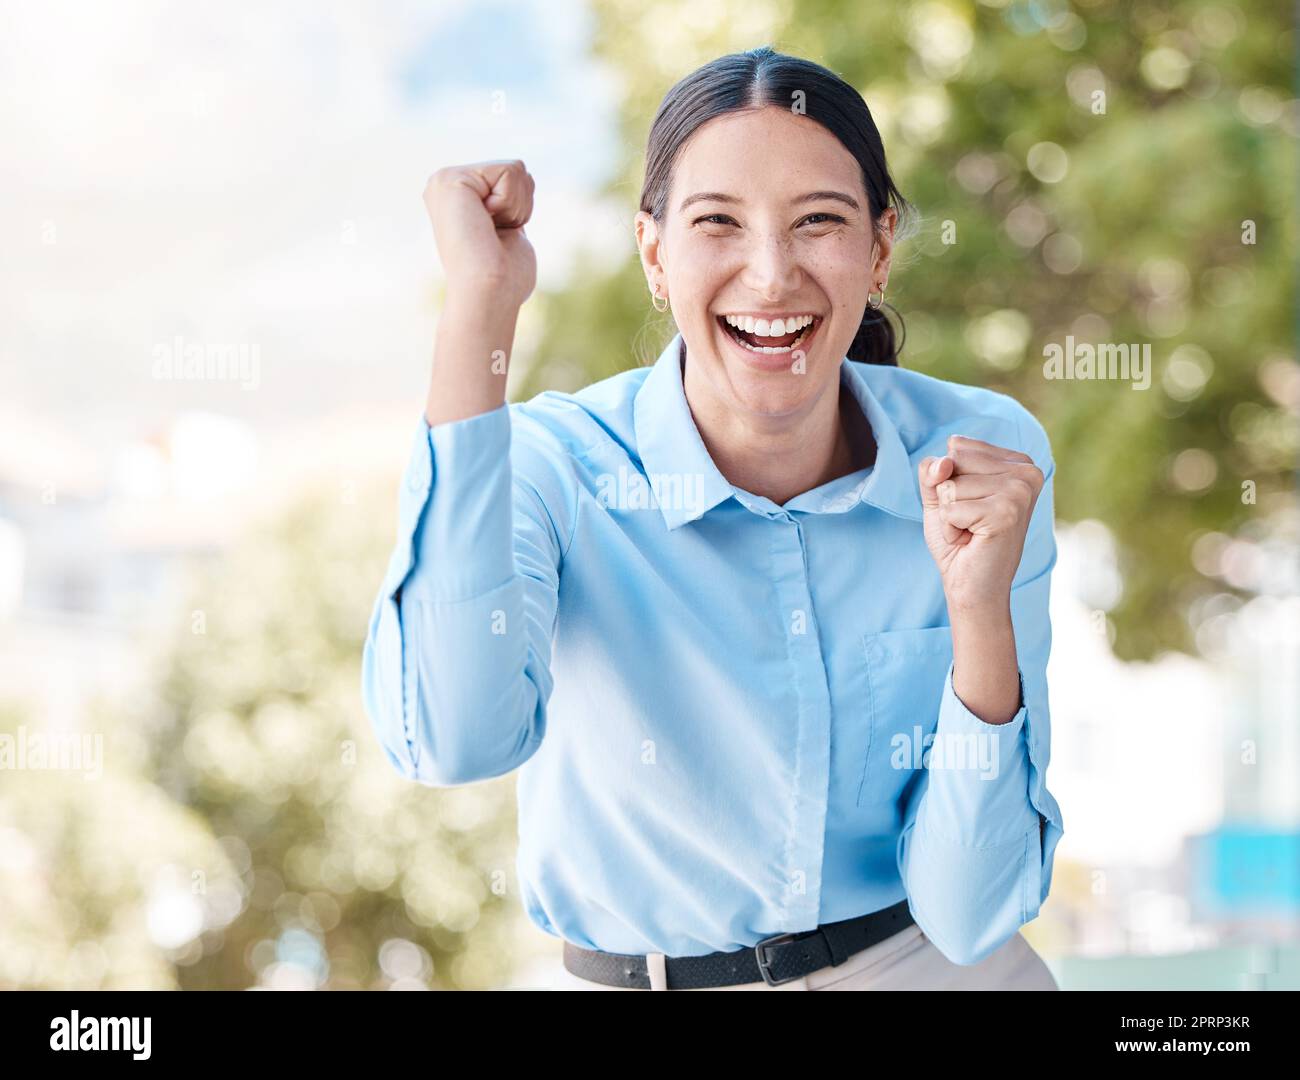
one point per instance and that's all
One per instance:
(985, 614)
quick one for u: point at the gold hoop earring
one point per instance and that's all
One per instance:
(876, 306)
(656, 300)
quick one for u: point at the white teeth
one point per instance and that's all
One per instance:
(801, 322)
(766, 328)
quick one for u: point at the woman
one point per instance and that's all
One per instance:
(763, 626)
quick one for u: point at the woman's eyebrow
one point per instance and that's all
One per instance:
(812, 196)
(706, 196)
(836, 196)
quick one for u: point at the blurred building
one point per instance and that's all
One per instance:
(92, 556)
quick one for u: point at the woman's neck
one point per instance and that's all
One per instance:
(780, 458)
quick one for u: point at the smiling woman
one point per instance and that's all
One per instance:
(769, 216)
(721, 707)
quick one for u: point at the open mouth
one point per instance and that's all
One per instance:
(756, 334)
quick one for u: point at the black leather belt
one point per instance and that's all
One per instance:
(774, 960)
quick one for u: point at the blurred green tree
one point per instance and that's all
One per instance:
(339, 873)
(88, 851)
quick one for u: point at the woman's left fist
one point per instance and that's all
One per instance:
(978, 500)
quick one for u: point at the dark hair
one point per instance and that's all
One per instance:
(757, 79)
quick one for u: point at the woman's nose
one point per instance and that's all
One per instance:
(771, 267)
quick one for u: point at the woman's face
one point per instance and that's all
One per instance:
(767, 219)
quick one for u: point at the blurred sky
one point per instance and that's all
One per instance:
(249, 173)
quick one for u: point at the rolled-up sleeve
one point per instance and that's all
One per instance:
(456, 665)
(980, 829)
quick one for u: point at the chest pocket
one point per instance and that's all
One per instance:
(905, 673)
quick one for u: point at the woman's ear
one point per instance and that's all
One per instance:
(884, 238)
(647, 242)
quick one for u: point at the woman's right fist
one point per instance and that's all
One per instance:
(478, 214)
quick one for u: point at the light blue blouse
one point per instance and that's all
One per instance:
(731, 719)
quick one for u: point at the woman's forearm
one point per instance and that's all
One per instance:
(471, 355)
(986, 671)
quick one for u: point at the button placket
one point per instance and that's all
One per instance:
(811, 767)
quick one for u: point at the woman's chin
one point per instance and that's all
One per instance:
(770, 393)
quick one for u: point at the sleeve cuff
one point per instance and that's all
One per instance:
(979, 775)
(454, 540)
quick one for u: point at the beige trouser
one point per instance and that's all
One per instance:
(906, 961)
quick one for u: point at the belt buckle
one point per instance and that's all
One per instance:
(763, 961)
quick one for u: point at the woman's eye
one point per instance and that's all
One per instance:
(723, 219)
(828, 217)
